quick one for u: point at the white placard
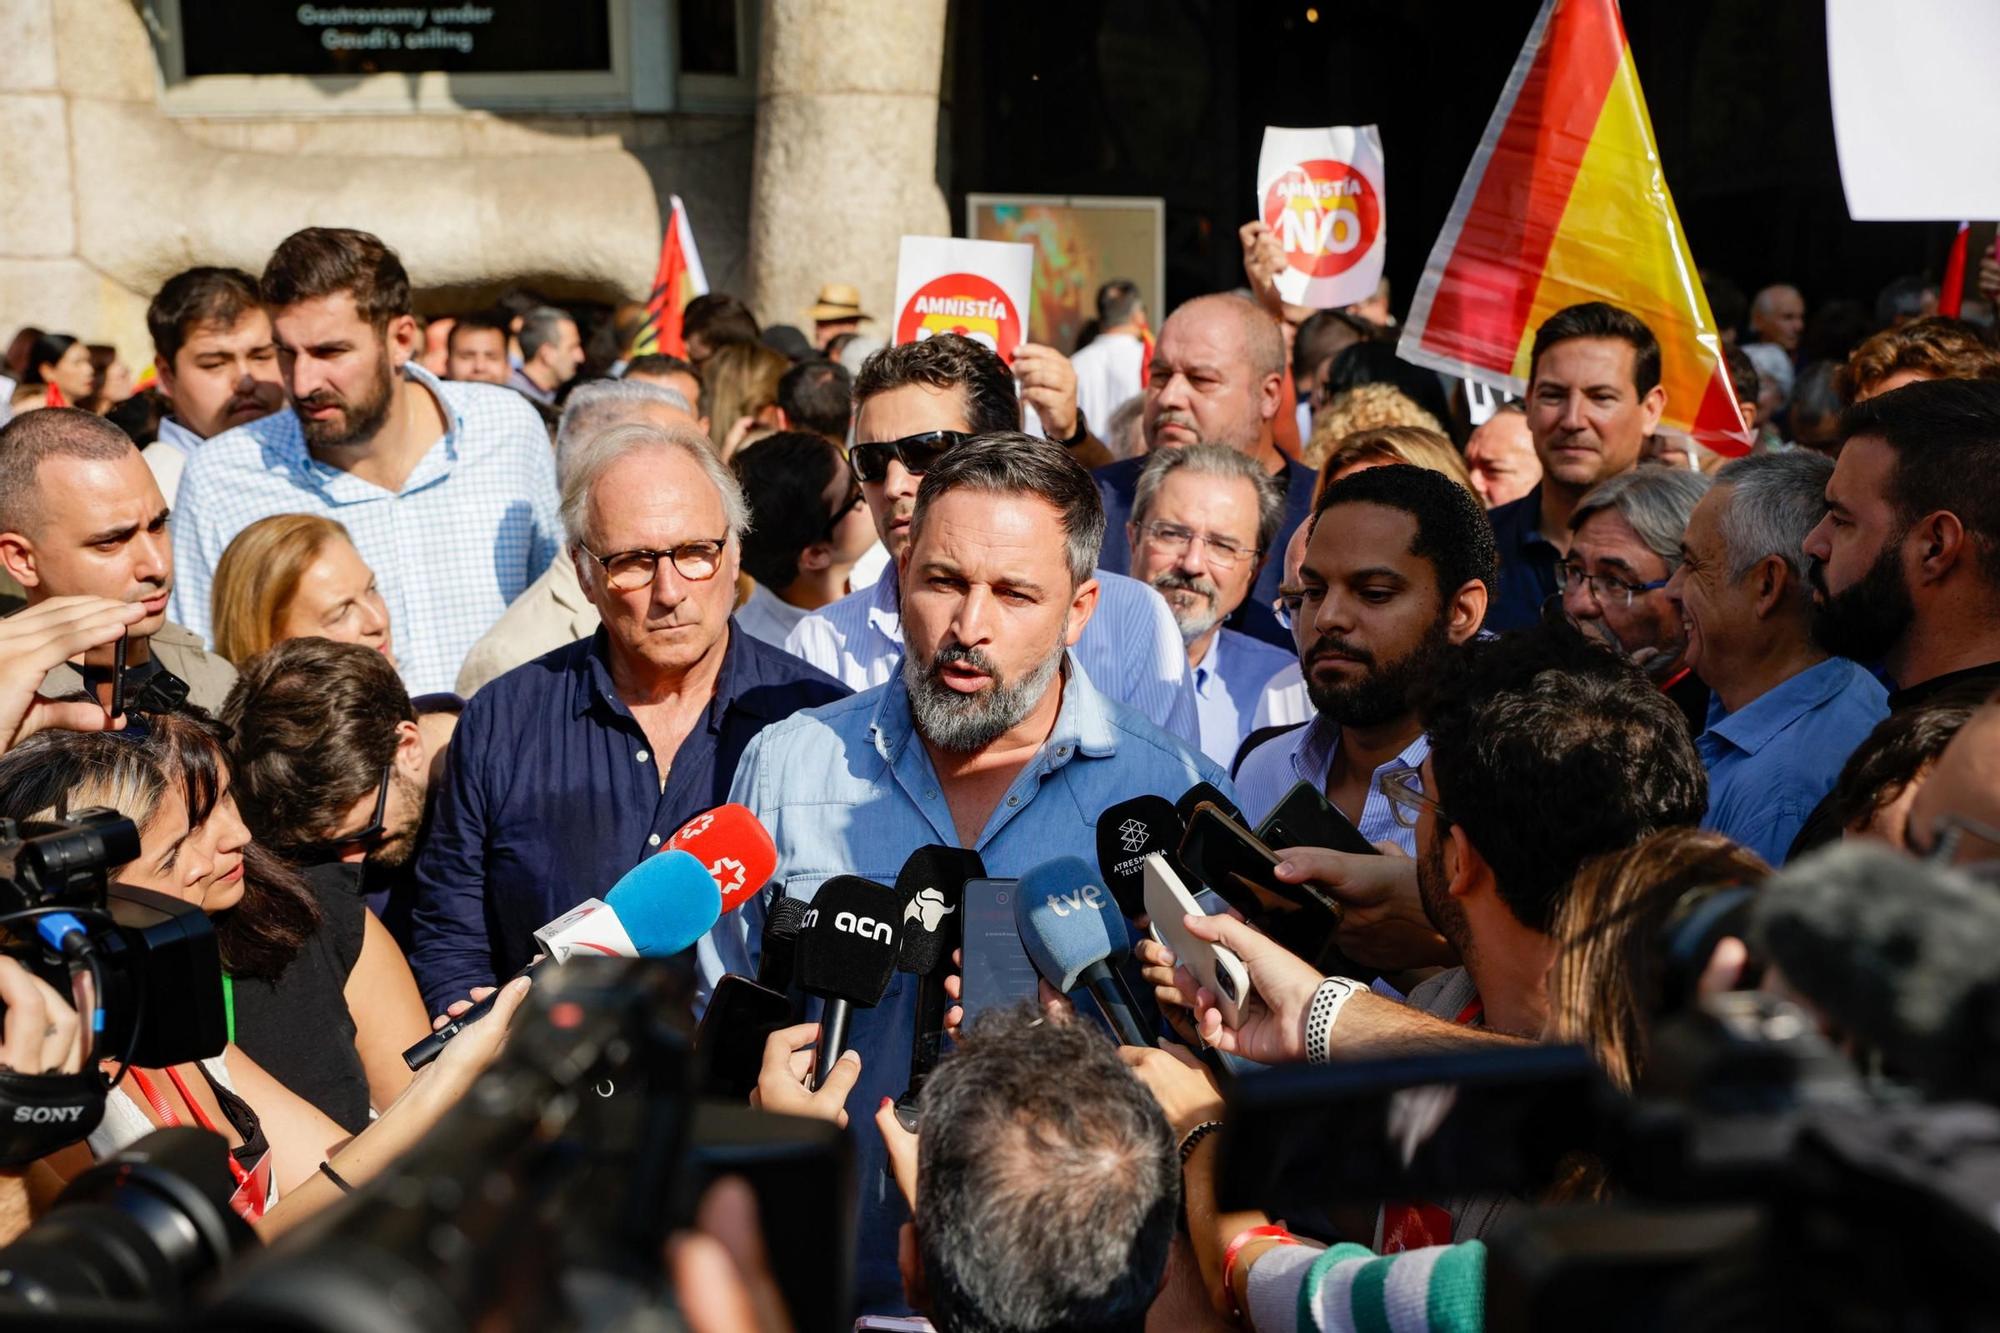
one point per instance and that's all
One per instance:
(977, 288)
(1321, 191)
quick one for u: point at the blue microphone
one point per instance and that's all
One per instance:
(1073, 931)
(656, 909)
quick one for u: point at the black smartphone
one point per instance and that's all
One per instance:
(1305, 818)
(117, 703)
(997, 969)
(1241, 868)
(729, 1044)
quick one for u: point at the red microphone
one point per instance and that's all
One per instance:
(733, 847)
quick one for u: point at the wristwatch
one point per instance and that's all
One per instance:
(1082, 432)
(1333, 993)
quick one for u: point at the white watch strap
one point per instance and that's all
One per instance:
(1327, 1001)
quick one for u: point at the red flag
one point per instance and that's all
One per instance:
(678, 280)
(1951, 293)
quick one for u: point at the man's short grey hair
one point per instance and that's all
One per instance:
(1656, 501)
(1775, 500)
(1213, 460)
(596, 407)
(1007, 462)
(1263, 340)
(540, 327)
(1768, 297)
(594, 455)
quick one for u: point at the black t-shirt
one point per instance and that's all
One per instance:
(298, 1027)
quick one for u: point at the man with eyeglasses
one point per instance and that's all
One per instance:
(1625, 544)
(1203, 519)
(914, 402)
(567, 771)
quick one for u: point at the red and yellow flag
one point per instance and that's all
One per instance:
(678, 280)
(1564, 203)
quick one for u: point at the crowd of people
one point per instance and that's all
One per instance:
(396, 640)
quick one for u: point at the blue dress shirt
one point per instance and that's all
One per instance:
(552, 793)
(1116, 483)
(1305, 754)
(1229, 684)
(849, 789)
(1528, 563)
(1772, 760)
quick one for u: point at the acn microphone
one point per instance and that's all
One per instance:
(1074, 933)
(656, 909)
(847, 954)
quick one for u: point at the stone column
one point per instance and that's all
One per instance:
(846, 155)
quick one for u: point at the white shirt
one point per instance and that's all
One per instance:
(1229, 684)
(1131, 648)
(168, 455)
(1306, 755)
(768, 616)
(1285, 702)
(869, 567)
(1108, 371)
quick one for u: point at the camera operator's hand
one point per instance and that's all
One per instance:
(43, 1034)
(1184, 1090)
(1383, 925)
(790, 1055)
(41, 638)
(1271, 1027)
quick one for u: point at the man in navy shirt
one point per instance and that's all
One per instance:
(1594, 395)
(1218, 377)
(569, 770)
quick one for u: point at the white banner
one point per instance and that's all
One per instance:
(977, 288)
(1321, 193)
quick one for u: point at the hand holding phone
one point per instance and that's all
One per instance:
(1240, 867)
(1217, 968)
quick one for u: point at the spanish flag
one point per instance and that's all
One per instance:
(678, 280)
(1565, 203)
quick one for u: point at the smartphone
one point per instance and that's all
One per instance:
(729, 1044)
(1239, 866)
(1305, 818)
(1168, 904)
(997, 969)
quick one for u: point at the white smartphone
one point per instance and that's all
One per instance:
(1168, 903)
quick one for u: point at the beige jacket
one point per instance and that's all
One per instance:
(549, 613)
(209, 678)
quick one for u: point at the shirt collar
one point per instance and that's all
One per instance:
(1313, 759)
(596, 690)
(885, 612)
(1083, 725)
(1754, 725)
(321, 474)
(176, 436)
(1210, 666)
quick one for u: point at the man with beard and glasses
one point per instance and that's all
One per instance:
(447, 488)
(1203, 520)
(1397, 570)
(912, 403)
(990, 736)
(1624, 546)
(217, 363)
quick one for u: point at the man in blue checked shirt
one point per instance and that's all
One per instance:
(447, 488)
(989, 735)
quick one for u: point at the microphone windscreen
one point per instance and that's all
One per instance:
(1068, 920)
(666, 903)
(779, 956)
(1904, 955)
(736, 849)
(932, 887)
(1127, 833)
(1208, 791)
(847, 941)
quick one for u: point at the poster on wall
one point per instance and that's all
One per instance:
(975, 288)
(1079, 243)
(1321, 192)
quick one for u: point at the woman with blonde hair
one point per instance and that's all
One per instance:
(1365, 407)
(740, 392)
(1380, 446)
(296, 576)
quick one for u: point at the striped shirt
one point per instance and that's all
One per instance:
(473, 526)
(1131, 648)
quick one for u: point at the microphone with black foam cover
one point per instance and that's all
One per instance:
(1208, 791)
(1074, 933)
(656, 909)
(779, 953)
(1129, 832)
(742, 1014)
(932, 886)
(736, 850)
(1901, 954)
(847, 954)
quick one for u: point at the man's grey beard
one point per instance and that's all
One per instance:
(962, 723)
(1191, 625)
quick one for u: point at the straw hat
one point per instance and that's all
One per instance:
(838, 300)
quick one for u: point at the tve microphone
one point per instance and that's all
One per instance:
(1074, 932)
(1904, 955)
(847, 954)
(656, 909)
(1129, 832)
(1207, 791)
(932, 886)
(737, 850)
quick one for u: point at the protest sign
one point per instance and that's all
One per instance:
(976, 288)
(1321, 192)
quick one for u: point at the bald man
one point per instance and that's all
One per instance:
(1959, 802)
(1218, 377)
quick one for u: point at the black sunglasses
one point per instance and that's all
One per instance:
(315, 852)
(917, 453)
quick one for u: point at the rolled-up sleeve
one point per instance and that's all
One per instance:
(449, 949)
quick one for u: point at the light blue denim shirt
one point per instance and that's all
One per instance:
(1305, 754)
(848, 788)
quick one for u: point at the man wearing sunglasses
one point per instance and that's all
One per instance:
(913, 403)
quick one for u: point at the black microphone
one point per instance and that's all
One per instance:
(1903, 955)
(742, 1014)
(846, 955)
(780, 947)
(1127, 833)
(1073, 933)
(1207, 791)
(932, 886)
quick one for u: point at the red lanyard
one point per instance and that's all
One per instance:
(165, 1111)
